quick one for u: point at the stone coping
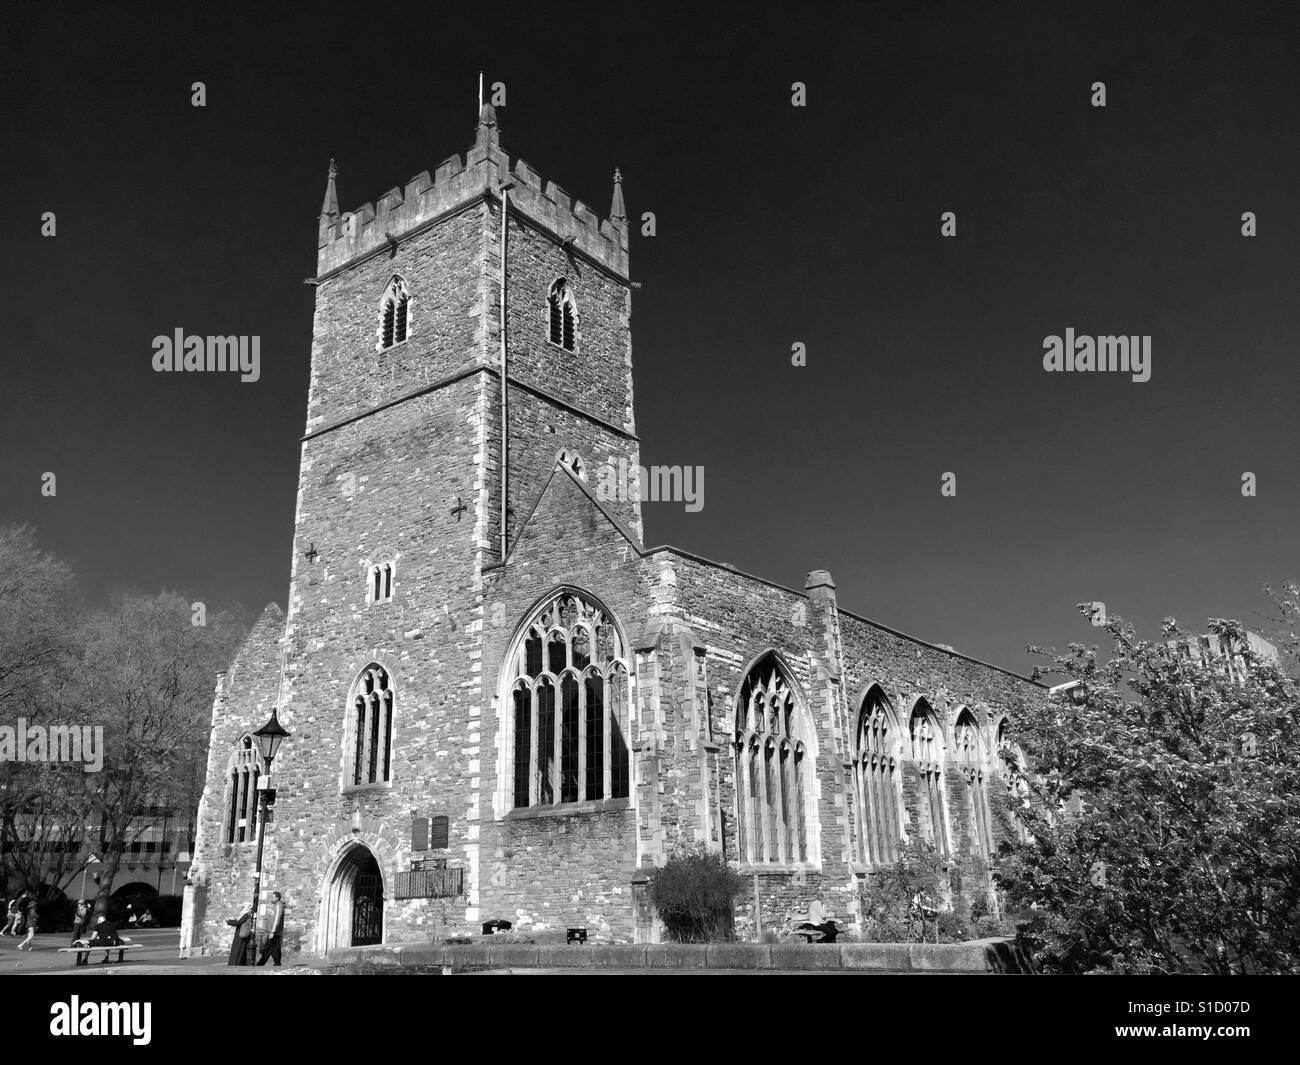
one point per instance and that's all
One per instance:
(999, 955)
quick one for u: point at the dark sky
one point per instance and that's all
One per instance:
(775, 225)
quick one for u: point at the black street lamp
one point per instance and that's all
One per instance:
(268, 737)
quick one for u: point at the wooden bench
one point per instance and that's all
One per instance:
(84, 951)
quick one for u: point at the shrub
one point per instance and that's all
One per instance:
(694, 893)
(959, 894)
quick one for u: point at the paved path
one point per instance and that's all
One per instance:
(161, 946)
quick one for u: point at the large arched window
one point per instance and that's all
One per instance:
(562, 322)
(241, 812)
(394, 313)
(771, 764)
(926, 748)
(968, 747)
(368, 758)
(568, 706)
(875, 779)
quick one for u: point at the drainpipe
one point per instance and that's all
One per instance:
(505, 401)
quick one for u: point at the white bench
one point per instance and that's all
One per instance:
(84, 950)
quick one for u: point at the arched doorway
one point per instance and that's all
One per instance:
(354, 900)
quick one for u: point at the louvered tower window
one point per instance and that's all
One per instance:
(563, 316)
(394, 313)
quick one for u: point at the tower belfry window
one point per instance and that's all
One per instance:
(394, 313)
(562, 319)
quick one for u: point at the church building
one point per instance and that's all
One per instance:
(501, 703)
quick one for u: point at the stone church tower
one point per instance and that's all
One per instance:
(501, 703)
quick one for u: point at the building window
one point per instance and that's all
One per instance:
(394, 313)
(568, 707)
(379, 584)
(875, 776)
(562, 318)
(771, 766)
(968, 747)
(241, 804)
(369, 755)
(926, 741)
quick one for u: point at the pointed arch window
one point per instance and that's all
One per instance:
(968, 747)
(926, 748)
(394, 313)
(243, 770)
(562, 320)
(568, 707)
(772, 764)
(369, 752)
(876, 784)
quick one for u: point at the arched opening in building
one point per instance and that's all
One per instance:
(354, 901)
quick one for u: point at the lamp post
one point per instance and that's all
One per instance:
(268, 738)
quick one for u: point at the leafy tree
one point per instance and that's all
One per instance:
(1164, 814)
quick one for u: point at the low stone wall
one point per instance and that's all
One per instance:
(981, 956)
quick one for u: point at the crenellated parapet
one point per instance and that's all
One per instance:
(348, 235)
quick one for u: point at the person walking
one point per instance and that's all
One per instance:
(275, 939)
(80, 921)
(26, 944)
(241, 952)
(14, 915)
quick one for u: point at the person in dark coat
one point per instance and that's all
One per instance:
(241, 946)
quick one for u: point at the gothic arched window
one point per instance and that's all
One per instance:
(926, 748)
(369, 752)
(771, 766)
(394, 313)
(568, 706)
(562, 316)
(244, 768)
(968, 747)
(875, 778)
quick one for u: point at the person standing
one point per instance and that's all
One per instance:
(81, 920)
(240, 946)
(26, 944)
(275, 939)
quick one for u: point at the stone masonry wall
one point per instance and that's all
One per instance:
(221, 879)
(540, 868)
